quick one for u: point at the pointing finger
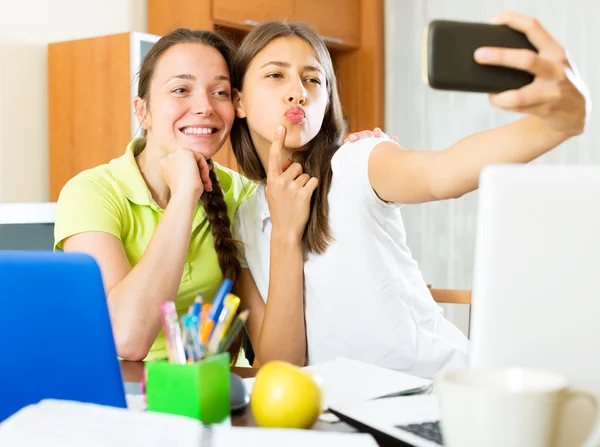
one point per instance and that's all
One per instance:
(274, 168)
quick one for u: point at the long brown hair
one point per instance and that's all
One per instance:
(316, 160)
(213, 201)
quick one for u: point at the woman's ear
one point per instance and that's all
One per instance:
(141, 112)
(237, 104)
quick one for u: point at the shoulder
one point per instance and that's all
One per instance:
(96, 182)
(250, 214)
(236, 187)
(90, 201)
(352, 154)
(253, 202)
(351, 161)
(350, 167)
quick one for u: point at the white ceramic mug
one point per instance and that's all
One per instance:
(514, 407)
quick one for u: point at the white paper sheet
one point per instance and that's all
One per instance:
(259, 437)
(347, 381)
(54, 423)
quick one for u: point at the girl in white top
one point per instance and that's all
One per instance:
(327, 271)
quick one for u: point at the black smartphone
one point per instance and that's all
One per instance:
(448, 57)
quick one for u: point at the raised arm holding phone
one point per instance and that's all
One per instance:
(350, 277)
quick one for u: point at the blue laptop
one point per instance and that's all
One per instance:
(55, 333)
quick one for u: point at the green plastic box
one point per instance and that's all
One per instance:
(198, 390)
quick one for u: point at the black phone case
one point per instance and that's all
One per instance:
(449, 57)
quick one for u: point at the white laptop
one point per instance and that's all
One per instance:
(536, 288)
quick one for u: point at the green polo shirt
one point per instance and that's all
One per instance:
(115, 199)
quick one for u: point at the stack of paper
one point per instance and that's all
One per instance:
(54, 423)
(348, 381)
(65, 424)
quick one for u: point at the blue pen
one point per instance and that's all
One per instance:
(196, 306)
(215, 311)
(190, 324)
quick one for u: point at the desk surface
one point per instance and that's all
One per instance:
(132, 372)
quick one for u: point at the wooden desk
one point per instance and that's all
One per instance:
(132, 372)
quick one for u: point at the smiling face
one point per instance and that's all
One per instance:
(284, 84)
(189, 104)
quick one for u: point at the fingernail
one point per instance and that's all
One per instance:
(280, 130)
(482, 54)
(498, 19)
(506, 99)
(353, 138)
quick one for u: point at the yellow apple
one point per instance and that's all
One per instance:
(285, 396)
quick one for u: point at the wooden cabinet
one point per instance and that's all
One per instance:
(166, 16)
(89, 119)
(250, 12)
(336, 20)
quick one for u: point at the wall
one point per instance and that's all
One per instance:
(26, 27)
(441, 235)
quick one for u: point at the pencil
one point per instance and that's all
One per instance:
(235, 328)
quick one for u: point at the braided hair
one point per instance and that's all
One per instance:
(226, 247)
(213, 201)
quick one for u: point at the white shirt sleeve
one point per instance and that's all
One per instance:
(350, 166)
(237, 235)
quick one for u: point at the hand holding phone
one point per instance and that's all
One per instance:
(449, 63)
(518, 61)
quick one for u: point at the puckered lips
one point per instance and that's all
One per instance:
(296, 115)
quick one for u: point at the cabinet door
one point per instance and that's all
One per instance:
(165, 16)
(88, 105)
(336, 20)
(250, 12)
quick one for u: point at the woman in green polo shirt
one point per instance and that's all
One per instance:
(135, 214)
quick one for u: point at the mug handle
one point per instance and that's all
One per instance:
(593, 439)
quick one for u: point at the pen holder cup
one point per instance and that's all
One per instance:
(198, 390)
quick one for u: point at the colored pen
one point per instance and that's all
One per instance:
(190, 329)
(172, 332)
(215, 311)
(237, 325)
(196, 306)
(204, 312)
(230, 307)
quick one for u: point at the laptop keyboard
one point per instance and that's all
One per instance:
(427, 430)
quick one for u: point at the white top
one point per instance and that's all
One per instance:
(365, 297)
